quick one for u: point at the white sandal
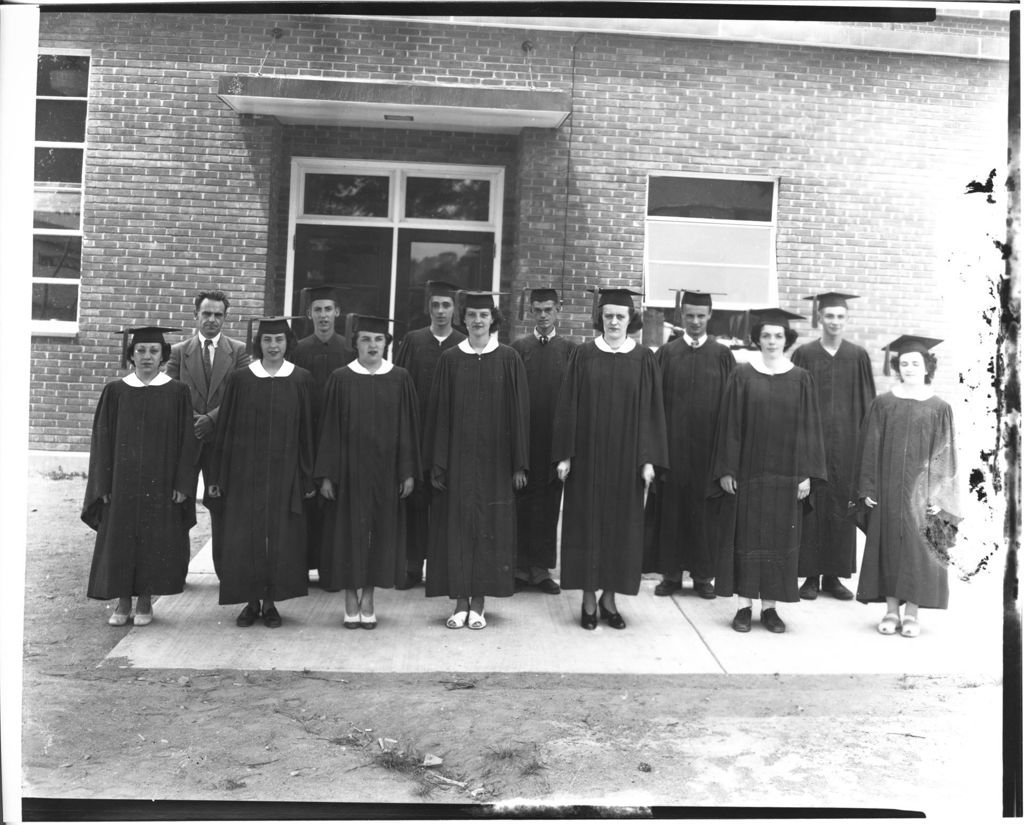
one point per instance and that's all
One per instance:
(477, 620)
(142, 619)
(367, 621)
(118, 619)
(889, 625)
(457, 620)
(911, 627)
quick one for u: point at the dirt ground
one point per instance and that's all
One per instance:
(96, 729)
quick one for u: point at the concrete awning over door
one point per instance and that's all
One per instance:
(298, 100)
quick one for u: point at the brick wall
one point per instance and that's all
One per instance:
(870, 150)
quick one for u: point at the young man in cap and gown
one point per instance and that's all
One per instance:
(418, 353)
(477, 449)
(907, 482)
(545, 355)
(694, 371)
(203, 363)
(321, 353)
(609, 441)
(846, 387)
(140, 496)
(768, 449)
(263, 469)
(367, 460)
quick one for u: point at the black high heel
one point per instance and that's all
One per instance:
(614, 619)
(588, 621)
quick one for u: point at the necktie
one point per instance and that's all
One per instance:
(207, 366)
(543, 339)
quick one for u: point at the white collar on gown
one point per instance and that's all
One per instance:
(287, 368)
(384, 368)
(467, 347)
(132, 380)
(757, 362)
(628, 346)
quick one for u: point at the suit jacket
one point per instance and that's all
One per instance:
(186, 365)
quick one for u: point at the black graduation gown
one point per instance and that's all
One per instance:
(321, 360)
(477, 432)
(418, 353)
(693, 383)
(143, 449)
(369, 443)
(610, 421)
(769, 440)
(538, 503)
(907, 461)
(846, 388)
(263, 463)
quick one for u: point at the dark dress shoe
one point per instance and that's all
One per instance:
(549, 586)
(271, 618)
(706, 590)
(741, 621)
(835, 588)
(588, 621)
(809, 589)
(411, 580)
(770, 619)
(613, 619)
(248, 616)
(666, 587)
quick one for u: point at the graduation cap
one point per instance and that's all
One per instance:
(270, 325)
(774, 316)
(694, 297)
(141, 335)
(443, 288)
(905, 344)
(371, 323)
(474, 299)
(824, 300)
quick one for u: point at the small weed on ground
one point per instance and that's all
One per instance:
(61, 475)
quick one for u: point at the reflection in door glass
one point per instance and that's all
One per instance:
(447, 199)
(454, 262)
(355, 196)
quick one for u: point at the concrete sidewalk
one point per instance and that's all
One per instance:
(538, 633)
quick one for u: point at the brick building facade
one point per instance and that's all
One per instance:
(207, 137)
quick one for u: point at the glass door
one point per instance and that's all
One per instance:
(357, 260)
(463, 258)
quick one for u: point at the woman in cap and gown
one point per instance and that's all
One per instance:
(140, 497)
(908, 485)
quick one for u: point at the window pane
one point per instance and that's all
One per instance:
(61, 75)
(60, 120)
(360, 196)
(447, 199)
(733, 200)
(57, 256)
(743, 286)
(54, 302)
(708, 243)
(59, 166)
(58, 210)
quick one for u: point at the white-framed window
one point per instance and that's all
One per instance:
(62, 109)
(713, 233)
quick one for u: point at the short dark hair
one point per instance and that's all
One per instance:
(289, 337)
(930, 363)
(497, 319)
(636, 321)
(212, 295)
(165, 353)
(755, 335)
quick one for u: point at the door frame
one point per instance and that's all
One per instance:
(398, 172)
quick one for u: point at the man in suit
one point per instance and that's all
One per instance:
(202, 363)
